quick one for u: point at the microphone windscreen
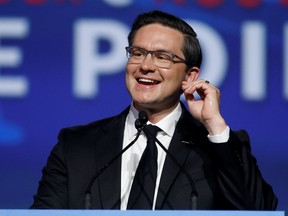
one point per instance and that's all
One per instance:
(143, 117)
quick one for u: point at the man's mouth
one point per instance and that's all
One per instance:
(147, 81)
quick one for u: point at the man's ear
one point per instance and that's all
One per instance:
(192, 74)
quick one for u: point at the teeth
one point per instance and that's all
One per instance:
(146, 80)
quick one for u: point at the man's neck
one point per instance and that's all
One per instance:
(156, 114)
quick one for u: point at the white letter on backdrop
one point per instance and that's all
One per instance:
(12, 86)
(253, 82)
(89, 62)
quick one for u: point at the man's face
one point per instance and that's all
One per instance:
(152, 87)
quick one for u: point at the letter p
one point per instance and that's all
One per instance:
(89, 63)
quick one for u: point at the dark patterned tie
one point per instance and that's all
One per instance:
(143, 187)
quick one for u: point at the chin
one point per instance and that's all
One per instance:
(143, 103)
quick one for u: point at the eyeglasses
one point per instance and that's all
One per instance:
(162, 59)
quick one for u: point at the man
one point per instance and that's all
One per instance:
(164, 60)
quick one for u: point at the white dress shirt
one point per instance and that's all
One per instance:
(131, 158)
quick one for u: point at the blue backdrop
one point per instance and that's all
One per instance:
(62, 63)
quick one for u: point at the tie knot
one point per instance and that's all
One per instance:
(151, 130)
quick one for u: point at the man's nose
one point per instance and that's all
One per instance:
(148, 62)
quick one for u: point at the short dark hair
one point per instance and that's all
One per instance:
(191, 47)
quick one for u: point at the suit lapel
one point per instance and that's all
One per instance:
(110, 144)
(170, 169)
(180, 148)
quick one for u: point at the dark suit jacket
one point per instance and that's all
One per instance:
(226, 175)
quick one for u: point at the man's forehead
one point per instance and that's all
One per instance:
(158, 37)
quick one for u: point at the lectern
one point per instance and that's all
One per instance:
(135, 213)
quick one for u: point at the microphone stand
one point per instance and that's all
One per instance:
(139, 124)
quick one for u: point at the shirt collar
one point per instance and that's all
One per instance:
(167, 124)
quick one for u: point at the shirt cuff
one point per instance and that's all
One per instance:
(220, 138)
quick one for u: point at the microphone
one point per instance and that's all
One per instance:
(194, 193)
(141, 121)
(139, 125)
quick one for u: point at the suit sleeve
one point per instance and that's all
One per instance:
(52, 190)
(239, 177)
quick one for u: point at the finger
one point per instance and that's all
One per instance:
(189, 97)
(196, 83)
(202, 88)
(198, 86)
